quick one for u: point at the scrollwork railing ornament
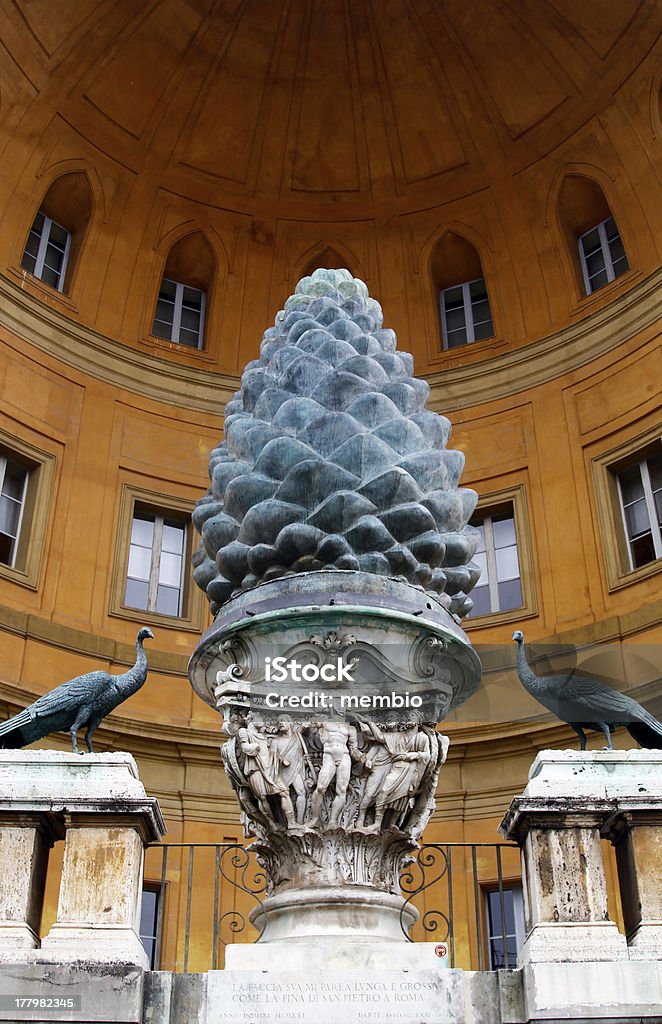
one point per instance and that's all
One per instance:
(239, 858)
(430, 857)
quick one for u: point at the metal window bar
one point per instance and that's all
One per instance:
(451, 937)
(502, 908)
(187, 935)
(217, 873)
(161, 908)
(479, 928)
(184, 869)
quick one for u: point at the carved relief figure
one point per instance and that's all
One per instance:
(262, 768)
(340, 748)
(400, 786)
(293, 759)
(396, 760)
(377, 762)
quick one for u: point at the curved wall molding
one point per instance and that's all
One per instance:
(201, 389)
(555, 355)
(108, 360)
(496, 659)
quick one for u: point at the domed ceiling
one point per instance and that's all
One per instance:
(232, 101)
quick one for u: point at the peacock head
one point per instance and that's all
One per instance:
(519, 636)
(144, 634)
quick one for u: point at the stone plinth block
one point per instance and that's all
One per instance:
(99, 904)
(99, 804)
(636, 832)
(396, 996)
(59, 777)
(606, 774)
(564, 879)
(592, 991)
(24, 847)
(81, 994)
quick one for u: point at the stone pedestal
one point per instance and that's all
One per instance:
(571, 801)
(564, 880)
(99, 805)
(636, 832)
(98, 914)
(331, 684)
(25, 841)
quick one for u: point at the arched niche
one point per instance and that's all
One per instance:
(191, 260)
(460, 290)
(590, 232)
(183, 302)
(60, 222)
(327, 259)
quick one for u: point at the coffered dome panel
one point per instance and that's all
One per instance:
(362, 101)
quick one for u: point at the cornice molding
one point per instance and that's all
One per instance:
(184, 387)
(190, 387)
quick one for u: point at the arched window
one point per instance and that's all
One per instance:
(184, 292)
(458, 280)
(328, 259)
(54, 240)
(595, 243)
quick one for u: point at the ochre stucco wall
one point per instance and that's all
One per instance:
(431, 135)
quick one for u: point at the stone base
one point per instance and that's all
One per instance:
(37, 777)
(336, 953)
(592, 991)
(359, 996)
(355, 913)
(622, 993)
(96, 943)
(16, 935)
(410, 992)
(646, 942)
(576, 942)
(82, 993)
(601, 774)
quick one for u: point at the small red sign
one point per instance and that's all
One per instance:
(441, 950)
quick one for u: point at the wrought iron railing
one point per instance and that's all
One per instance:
(206, 892)
(454, 907)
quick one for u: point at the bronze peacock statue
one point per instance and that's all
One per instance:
(83, 701)
(586, 703)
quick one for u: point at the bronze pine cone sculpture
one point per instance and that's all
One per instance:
(332, 461)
